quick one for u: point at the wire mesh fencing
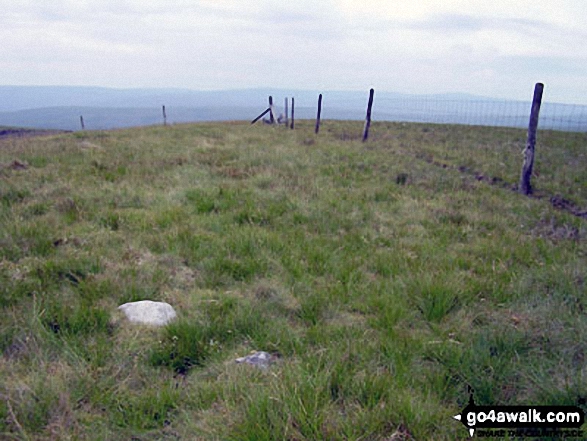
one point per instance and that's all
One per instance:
(482, 112)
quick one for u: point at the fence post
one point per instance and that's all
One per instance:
(525, 187)
(164, 117)
(292, 113)
(271, 115)
(260, 116)
(286, 119)
(81, 120)
(318, 114)
(368, 119)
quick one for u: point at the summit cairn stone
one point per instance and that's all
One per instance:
(148, 312)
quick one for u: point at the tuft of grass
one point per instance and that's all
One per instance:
(83, 319)
(10, 195)
(152, 410)
(436, 302)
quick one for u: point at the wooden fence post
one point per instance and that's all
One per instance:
(525, 187)
(368, 119)
(286, 119)
(318, 114)
(271, 114)
(81, 120)
(164, 117)
(260, 116)
(292, 113)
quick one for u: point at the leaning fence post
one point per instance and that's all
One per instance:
(368, 119)
(292, 113)
(318, 114)
(260, 116)
(81, 120)
(525, 187)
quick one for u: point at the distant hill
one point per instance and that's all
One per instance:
(60, 107)
(14, 98)
(101, 118)
(104, 108)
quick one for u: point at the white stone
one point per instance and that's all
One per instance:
(148, 312)
(259, 359)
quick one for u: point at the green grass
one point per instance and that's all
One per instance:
(385, 277)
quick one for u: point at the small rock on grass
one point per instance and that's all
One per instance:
(148, 312)
(259, 359)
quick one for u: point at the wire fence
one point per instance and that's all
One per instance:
(482, 112)
(494, 153)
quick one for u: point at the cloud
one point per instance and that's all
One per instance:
(451, 23)
(559, 66)
(405, 45)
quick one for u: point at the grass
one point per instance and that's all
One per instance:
(386, 279)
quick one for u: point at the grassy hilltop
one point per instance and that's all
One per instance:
(387, 278)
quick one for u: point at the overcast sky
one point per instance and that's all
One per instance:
(495, 48)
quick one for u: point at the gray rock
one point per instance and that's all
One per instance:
(148, 312)
(259, 359)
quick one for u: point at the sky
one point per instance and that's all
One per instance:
(497, 48)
